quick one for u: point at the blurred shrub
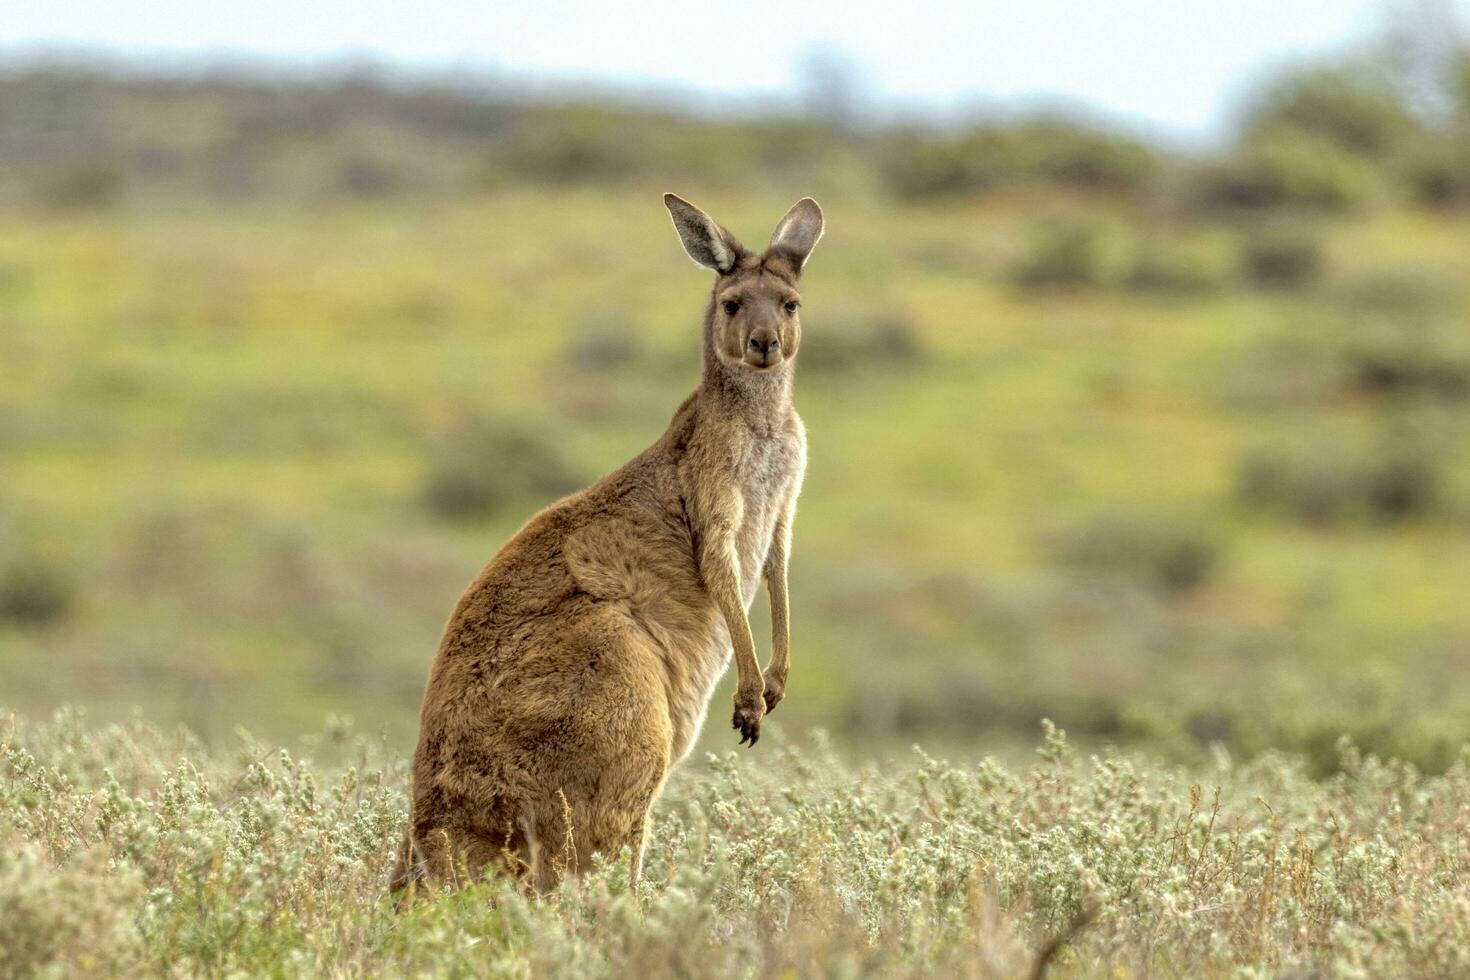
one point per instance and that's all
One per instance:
(1063, 254)
(35, 590)
(840, 342)
(923, 165)
(1393, 356)
(1398, 290)
(1150, 550)
(1437, 172)
(576, 144)
(963, 701)
(1284, 170)
(1399, 334)
(1356, 106)
(604, 340)
(81, 186)
(1388, 333)
(581, 143)
(1281, 254)
(485, 465)
(1402, 485)
(1436, 167)
(365, 176)
(1072, 253)
(1091, 160)
(1317, 137)
(920, 167)
(1327, 485)
(1177, 269)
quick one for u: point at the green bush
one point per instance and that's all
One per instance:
(1282, 255)
(1388, 356)
(1324, 485)
(1086, 158)
(485, 465)
(924, 165)
(1390, 333)
(1176, 269)
(572, 145)
(1437, 172)
(843, 341)
(365, 176)
(1149, 550)
(1313, 487)
(1403, 485)
(1399, 291)
(82, 186)
(1399, 333)
(1358, 107)
(35, 590)
(603, 341)
(1284, 170)
(1063, 254)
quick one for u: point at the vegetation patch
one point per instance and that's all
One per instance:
(35, 589)
(846, 341)
(1156, 551)
(256, 861)
(485, 464)
(1325, 485)
(1282, 254)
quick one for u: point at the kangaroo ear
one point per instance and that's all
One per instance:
(706, 242)
(798, 233)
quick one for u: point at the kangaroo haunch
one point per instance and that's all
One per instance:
(577, 668)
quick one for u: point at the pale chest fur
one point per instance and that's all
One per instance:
(769, 475)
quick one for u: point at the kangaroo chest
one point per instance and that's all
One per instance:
(767, 477)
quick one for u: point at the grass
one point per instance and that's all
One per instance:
(127, 850)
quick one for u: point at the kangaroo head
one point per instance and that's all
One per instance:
(751, 323)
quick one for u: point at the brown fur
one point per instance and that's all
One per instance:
(577, 668)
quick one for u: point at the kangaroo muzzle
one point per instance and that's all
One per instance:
(763, 349)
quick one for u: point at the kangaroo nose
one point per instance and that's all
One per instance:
(764, 341)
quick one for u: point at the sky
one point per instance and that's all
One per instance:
(1174, 67)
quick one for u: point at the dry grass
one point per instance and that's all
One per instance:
(130, 851)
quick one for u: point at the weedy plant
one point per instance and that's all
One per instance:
(131, 851)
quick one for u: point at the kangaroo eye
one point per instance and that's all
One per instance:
(730, 307)
(791, 306)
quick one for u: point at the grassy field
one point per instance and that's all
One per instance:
(128, 851)
(251, 456)
(1170, 450)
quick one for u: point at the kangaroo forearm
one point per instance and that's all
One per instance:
(775, 574)
(722, 578)
(780, 623)
(741, 638)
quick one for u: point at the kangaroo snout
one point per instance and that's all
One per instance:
(763, 348)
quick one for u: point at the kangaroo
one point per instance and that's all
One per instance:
(577, 668)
